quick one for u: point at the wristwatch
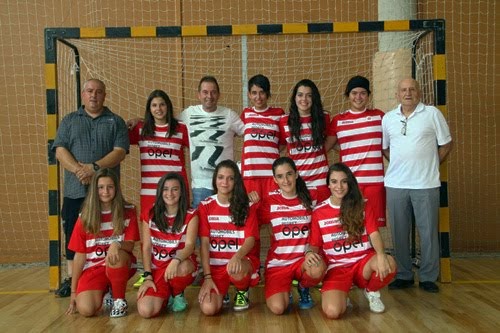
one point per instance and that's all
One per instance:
(96, 166)
(146, 274)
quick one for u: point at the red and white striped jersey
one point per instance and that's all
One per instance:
(164, 246)
(224, 236)
(290, 224)
(260, 141)
(328, 235)
(359, 135)
(96, 246)
(312, 163)
(160, 155)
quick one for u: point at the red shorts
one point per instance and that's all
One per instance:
(342, 278)
(279, 279)
(262, 185)
(95, 278)
(163, 289)
(147, 201)
(221, 278)
(376, 199)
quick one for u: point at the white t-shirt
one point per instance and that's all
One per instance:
(414, 159)
(211, 140)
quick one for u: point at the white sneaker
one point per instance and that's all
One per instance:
(107, 300)
(119, 309)
(373, 298)
(348, 303)
(226, 301)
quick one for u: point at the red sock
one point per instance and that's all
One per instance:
(374, 284)
(306, 281)
(118, 278)
(242, 284)
(179, 283)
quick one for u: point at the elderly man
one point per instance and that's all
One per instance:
(416, 139)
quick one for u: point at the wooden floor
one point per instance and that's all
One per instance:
(471, 303)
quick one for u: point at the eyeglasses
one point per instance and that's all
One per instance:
(403, 129)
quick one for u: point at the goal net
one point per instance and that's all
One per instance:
(133, 67)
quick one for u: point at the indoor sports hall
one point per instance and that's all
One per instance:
(48, 48)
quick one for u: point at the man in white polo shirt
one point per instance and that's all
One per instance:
(416, 139)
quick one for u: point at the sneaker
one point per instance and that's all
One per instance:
(107, 300)
(170, 302)
(373, 298)
(198, 279)
(348, 303)
(139, 282)
(241, 301)
(64, 289)
(119, 309)
(226, 300)
(401, 284)
(429, 286)
(179, 303)
(305, 300)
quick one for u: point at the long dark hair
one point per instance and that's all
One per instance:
(159, 211)
(300, 185)
(239, 203)
(149, 121)
(317, 115)
(352, 206)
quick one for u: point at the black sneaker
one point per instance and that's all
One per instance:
(429, 286)
(401, 284)
(64, 289)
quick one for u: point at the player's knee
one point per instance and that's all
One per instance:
(86, 309)
(332, 311)
(146, 311)
(209, 309)
(278, 308)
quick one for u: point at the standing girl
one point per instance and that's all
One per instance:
(303, 131)
(351, 243)
(228, 231)
(161, 139)
(169, 237)
(260, 138)
(288, 211)
(103, 240)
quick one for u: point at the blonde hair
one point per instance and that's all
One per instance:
(91, 208)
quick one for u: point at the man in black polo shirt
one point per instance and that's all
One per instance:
(88, 139)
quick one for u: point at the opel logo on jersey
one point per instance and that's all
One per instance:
(159, 153)
(295, 231)
(218, 245)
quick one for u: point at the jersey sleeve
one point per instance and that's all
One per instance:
(77, 242)
(133, 134)
(263, 211)
(185, 136)
(282, 124)
(370, 221)
(131, 232)
(332, 128)
(203, 226)
(315, 238)
(251, 224)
